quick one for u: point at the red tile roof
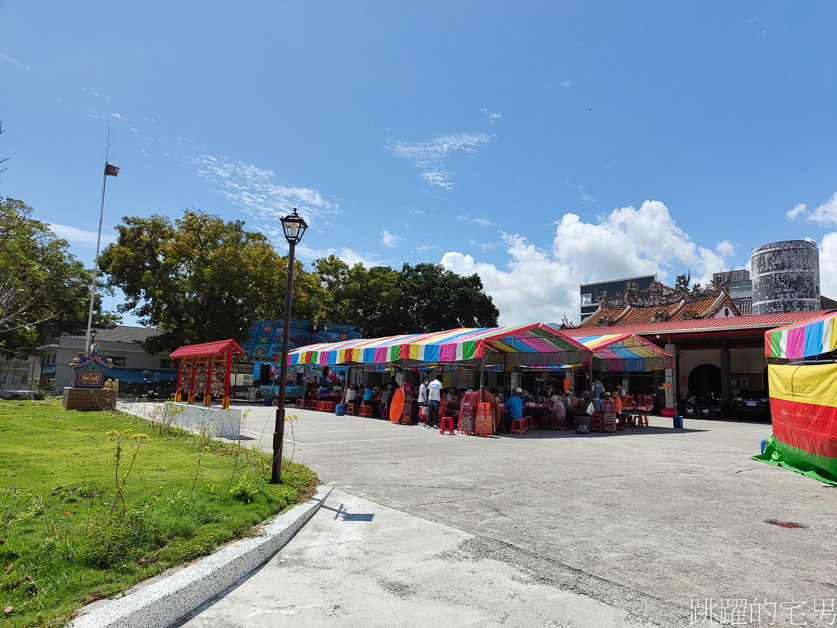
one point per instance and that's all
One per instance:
(765, 321)
(208, 348)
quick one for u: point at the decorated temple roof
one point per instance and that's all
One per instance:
(92, 361)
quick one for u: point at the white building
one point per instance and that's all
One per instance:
(61, 342)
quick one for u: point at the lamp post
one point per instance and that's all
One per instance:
(294, 226)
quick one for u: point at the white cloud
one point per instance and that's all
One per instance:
(431, 157)
(390, 239)
(796, 211)
(492, 117)
(828, 260)
(426, 247)
(480, 222)
(542, 284)
(253, 191)
(565, 84)
(74, 235)
(13, 61)
(586, 198)
(725, 248)
(350, 256)
(117, 116)
(825, 214)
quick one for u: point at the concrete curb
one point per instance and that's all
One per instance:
(167, 602)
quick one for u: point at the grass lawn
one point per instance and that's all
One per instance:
(76, 527)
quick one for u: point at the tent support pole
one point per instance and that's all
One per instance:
(482, 371)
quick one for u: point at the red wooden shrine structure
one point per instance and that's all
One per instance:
(205, 370)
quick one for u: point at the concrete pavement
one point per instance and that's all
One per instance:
(662, 526)
(357, 563)
(677, 515)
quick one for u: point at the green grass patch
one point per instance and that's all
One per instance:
(89, 506)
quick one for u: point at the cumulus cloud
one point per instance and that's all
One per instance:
(492, 117)
(565, 84)
(825, 214)
(431, 157)
(254, 191)
(77, 236)
(725, 248)
(828, 260)
(390, 239)
(542, 284)
(350, 256)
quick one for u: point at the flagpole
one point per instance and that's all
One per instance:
(96, 263)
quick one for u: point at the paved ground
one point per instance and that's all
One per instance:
(644, 521)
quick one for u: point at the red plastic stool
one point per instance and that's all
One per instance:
(366, 410)
(561, 424)
(642, 420)
(446, 424)
(351, 408)
(311, 404)
(518, 426)
(300, 404)
(597, 422)
(329, 406)
(530, 423)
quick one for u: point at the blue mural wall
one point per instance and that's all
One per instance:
(265, 339)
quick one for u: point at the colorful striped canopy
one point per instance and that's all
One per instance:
(524, 345)
(625, 353)
(802, 340)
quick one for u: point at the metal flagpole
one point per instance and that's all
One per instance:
(96, 264)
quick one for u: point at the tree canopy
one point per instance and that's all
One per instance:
(40, 280)
(421, 298)
(201, 279)
(198, 279)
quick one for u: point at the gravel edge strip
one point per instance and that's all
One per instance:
(167, 602)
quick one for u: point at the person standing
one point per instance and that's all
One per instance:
(422, 400)
(434, 397)
(598, 389)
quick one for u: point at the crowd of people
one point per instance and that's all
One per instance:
(432, 397)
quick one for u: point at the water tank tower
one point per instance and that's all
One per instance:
(786, 277)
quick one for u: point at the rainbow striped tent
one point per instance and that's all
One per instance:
(803, 398)
(524, 345)
(802, 340)
(625, 353)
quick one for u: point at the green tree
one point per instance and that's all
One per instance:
(433, 299)
(40, 280)
(201, 279)
(423, 298)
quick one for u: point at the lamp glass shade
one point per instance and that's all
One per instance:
(294, 226)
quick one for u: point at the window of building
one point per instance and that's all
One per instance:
(167, 364)
(586, 299)
(117, 360)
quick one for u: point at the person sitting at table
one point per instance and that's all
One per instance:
(367, 397)
(515, 407)
(498, 395)
(310, 392)
(617, 401)
(338, 387)
(620, 392)
(556, 410)
(323, 390)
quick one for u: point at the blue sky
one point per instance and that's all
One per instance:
(540, 144)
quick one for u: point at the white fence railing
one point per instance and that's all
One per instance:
(14, 373)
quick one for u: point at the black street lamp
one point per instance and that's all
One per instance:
(294, 226)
